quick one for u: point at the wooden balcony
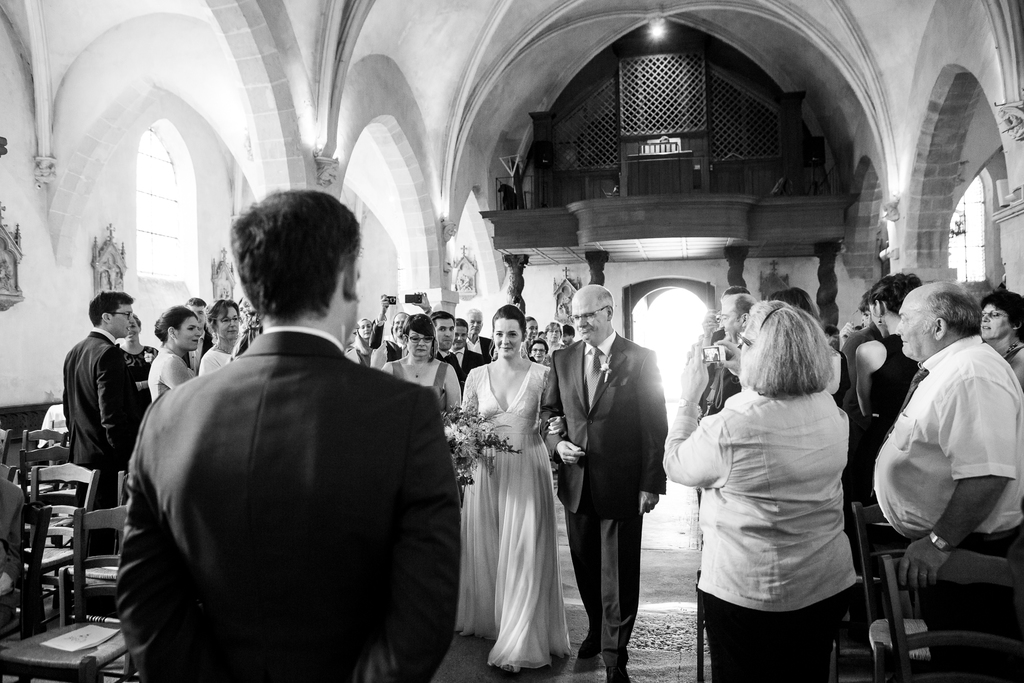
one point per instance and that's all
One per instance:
(670, 227)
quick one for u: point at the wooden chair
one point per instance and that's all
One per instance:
(866, 555)
(962, 567)
(7, 449)
(31, 659)
(29, 457)
(36, 520)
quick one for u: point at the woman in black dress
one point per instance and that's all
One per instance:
(884, 374)
(138, 358)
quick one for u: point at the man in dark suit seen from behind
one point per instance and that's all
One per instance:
(99, 395)
(293, 515)
(476, 342)
(466, 359)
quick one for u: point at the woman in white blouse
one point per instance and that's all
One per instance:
(224, 321)
(179, 330)
(776, 564)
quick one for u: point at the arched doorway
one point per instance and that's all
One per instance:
(665, 315)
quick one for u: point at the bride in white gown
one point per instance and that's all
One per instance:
(510, 588)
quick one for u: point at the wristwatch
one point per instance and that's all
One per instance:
(940, 543)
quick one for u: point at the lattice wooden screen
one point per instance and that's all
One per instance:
(662, 94)
(586, 138)
(742, 126)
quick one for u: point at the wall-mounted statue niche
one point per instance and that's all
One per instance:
(565, 290)
(773, 281)
(108, 264)
(10, 257)
(465, 276)
(222, 276)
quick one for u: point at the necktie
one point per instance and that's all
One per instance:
(593, 377)
(918, 378)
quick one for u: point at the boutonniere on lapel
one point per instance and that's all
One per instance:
(606, 369)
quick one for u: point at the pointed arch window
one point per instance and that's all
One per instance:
(967, 234)
(158, 210)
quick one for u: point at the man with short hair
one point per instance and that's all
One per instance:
(391, 349)
(444, 333)
(723, 383)
(607, 392)
(568, 335)
(466, 359)
(950, 473)
(99, 396)
(198, 307)
(236, 472)
(474, 341)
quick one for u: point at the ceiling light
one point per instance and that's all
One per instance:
(658, 28)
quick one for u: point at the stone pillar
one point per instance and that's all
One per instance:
(827, 282)
(736, 257)
(514, 265)
(791, 139)
(596, 261)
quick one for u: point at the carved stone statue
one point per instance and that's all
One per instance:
(10, 256)
(108, 264)
(773, 281)
(564, 293)
(46, 169)
(450, 229)
(514, 265)
(222, 276)
(465, 276)
(326, 171)
(1012, 115)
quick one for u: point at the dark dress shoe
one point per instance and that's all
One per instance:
(590, 647)
(616, 674)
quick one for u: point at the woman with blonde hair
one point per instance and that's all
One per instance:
(776, 564)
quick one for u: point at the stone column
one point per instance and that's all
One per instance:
(827, 283)
(514, 265)
(596, 261)
(736, 257)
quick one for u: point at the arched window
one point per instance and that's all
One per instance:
(967, 235)
(158, 210)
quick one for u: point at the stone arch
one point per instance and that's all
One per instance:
(274, 133)
(935, 179)
(860, 255)
(489, 261)
(632, 294)
(425, 258)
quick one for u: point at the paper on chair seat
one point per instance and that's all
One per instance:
(81, 638)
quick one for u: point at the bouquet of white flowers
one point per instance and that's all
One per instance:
(472, 439)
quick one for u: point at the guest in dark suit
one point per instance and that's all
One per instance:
(293, 515)
(99, 396)
(444, 333)
(608, 393)
(474, 342)
(466, 359)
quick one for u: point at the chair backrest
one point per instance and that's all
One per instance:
(64, 502)
(6, 445)
(84, 523)
(966, 567)
(30, 438)
(37, 520)
(867, 556)
(28, 457)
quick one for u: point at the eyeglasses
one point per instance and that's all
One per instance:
(232, 319)
(992, 315)
(587, 317)
(744, 341)
(127, 314)
(420, 340)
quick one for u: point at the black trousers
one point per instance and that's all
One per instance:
(606, 559)
(753, 645)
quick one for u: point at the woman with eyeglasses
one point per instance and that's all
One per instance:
(224, 320)
(420, 364)
(1002, 313)
(776, 563)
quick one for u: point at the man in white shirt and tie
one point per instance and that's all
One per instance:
(466, 358)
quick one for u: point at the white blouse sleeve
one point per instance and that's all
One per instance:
(704, 458)
(470, 395)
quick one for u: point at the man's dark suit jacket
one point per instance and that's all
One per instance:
(623, 435)
(308, 505)
(98, 403)
(470, 360)
(485, 348)
(451, 360)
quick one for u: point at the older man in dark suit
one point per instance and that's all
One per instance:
(294, 515)
(608, 393)
(98, 396)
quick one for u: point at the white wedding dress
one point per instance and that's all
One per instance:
(510, 588)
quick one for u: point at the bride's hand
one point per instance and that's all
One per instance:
(556, 425)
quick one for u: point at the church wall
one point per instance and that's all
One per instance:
(378, 265)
